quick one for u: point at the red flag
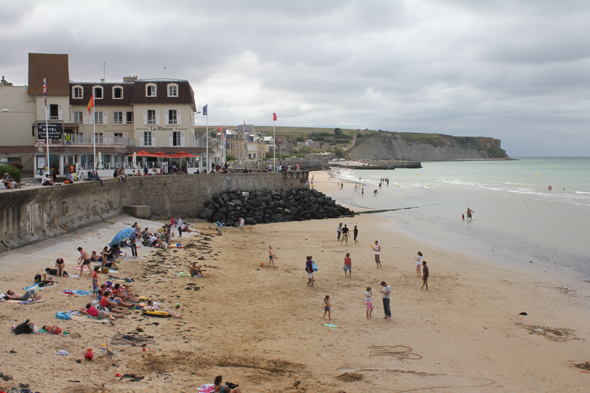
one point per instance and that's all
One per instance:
(90, 103)
(274, 116)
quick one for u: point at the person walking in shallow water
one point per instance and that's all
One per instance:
(469, 213)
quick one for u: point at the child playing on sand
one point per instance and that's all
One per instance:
(425, 274)
(348, 265)
(419, 260)
(327, 307)
(271, 257)
(95, 279)
(369, 302)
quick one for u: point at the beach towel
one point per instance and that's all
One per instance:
(87, 318)
(76, 292)
(62, 315)
(35, 286)
(43, 331)
(25, 303)
(86, 269)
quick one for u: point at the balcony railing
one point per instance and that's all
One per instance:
(104, 140)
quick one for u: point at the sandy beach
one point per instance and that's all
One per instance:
(262, 328)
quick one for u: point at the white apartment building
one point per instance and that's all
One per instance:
(152, 115)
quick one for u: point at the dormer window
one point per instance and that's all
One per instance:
(98, 92)
(151, 90)
(172, 90)
(78, 92)
(117, 93)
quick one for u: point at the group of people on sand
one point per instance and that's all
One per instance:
(422, 272)
(343, 234)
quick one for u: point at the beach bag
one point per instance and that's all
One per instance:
(104, 270)
(62, 315)
(313, 266)
(23, 328)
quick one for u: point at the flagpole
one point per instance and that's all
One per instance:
(274, 142)
(207, 138)
(47, 134)
(94, 132)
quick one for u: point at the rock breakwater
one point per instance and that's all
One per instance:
(266, 206)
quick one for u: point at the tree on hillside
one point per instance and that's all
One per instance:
(338, 131)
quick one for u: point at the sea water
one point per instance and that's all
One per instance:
(517, 219)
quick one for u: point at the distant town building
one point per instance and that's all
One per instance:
(130, 116)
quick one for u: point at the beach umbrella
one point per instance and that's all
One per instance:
(99, 159)
(181, 155)
(134, 160)
(122, 235)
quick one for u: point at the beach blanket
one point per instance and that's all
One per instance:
(88, 318)
(206, 388)
(35, 286)
(76, 292)
(24, 303)
(43, 331)
(86, 269)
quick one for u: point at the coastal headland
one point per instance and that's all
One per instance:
(262, 327)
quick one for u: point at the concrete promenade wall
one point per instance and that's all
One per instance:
(31, 215)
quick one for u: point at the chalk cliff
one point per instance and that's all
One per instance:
(381, 145)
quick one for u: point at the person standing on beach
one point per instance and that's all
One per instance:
(309, 270)
(355, 232)
(348, 265)
(377, 249)
(242, 223)
(271, 256)
(469, 213)
(339, 230)
(84, 260)
(419, 260)
(369, 302)
(425, 274)
(386, 300)
(327, 307)
(344, 235)
(362, 192)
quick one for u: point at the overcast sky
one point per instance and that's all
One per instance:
(514, 70)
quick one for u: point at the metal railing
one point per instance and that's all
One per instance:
(104, 140)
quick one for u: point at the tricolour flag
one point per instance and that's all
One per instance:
(274, 116)
(45, 91)
(205, 110)
(90, 104)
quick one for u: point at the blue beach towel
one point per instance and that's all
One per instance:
(77, 292)
(63, 315)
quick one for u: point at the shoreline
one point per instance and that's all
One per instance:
(262, 327)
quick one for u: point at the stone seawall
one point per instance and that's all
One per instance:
(31, 215)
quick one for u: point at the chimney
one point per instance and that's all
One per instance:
(129, 79)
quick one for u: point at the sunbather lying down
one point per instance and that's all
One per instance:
(150, 307)
(53, 329)
(100, 314)
(30, 294)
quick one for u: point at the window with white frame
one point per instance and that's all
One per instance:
(172, 90)
(151, 90)
(117, 117)
(98, 92)
(147, 138)
(176, 138)
(129, 117)
(77, 92)
(98, 117)
(78, 117)
(98, 137)
(117, 92)
(172, 116)
(151, 116)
